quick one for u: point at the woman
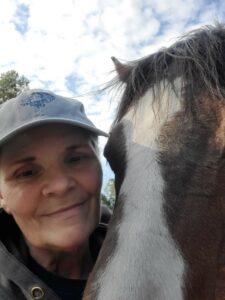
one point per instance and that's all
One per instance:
(50, 180)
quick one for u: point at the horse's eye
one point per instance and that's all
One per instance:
(109, 155)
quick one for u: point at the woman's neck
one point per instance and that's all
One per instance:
(75, 264)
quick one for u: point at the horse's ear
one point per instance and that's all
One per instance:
(122, 70)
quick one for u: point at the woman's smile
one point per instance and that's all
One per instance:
(68, 211)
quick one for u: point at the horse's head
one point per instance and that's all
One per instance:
(166, 147)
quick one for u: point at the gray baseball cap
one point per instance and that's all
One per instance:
(36, 107)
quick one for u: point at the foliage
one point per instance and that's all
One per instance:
(108, 197)
(105, 200)
(12, 84)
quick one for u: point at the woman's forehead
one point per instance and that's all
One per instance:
(48, 134)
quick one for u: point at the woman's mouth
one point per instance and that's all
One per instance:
(68, 211)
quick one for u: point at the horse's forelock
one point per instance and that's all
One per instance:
(198, 59)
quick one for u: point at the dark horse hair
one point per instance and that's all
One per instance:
(198, 59)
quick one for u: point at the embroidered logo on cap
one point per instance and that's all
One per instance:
(37, 99)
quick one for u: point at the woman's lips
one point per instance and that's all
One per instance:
(66, 211)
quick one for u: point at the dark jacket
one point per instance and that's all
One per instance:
(17, 282)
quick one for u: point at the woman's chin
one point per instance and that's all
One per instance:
(69, 240)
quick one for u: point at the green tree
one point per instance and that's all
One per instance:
(109, 195)
(12, 84)
(105, 200)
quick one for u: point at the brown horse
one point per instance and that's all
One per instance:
(167, 149)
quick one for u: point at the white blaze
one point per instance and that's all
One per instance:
(147, 264)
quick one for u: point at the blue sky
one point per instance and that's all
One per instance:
(65, 46)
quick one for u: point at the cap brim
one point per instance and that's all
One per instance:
(52, 121)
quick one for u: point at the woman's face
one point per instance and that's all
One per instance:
(50, 180)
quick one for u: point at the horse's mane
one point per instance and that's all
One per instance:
(197, 58)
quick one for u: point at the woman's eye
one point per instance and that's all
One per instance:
(77, 158)
(26, 173)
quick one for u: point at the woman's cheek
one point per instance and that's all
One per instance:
(19, 203)
(92, 179)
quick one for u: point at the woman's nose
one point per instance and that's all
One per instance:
(58, 183)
